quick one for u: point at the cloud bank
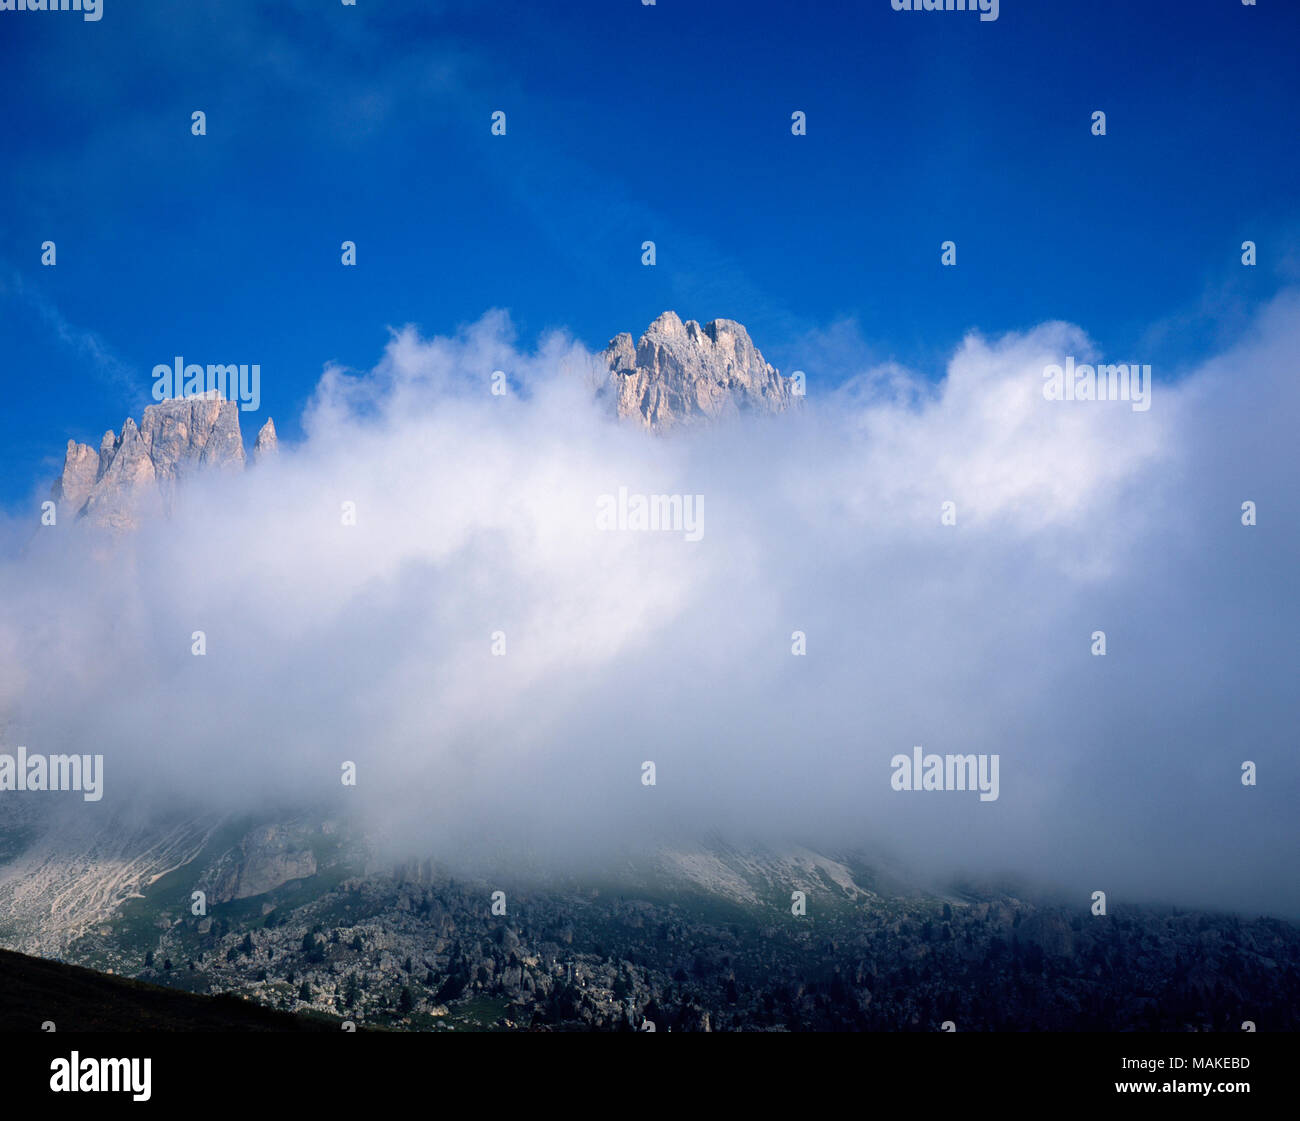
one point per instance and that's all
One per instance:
(476, 530)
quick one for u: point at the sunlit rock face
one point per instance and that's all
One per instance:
(137, 470)
(676, 374)
(681, 373)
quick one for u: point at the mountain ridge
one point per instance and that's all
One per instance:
(677, 374)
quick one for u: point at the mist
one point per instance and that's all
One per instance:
(499, 667)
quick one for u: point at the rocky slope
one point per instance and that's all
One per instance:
(301, 917)
(415, 948)
(61, 877)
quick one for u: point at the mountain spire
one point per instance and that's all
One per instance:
(681, 373)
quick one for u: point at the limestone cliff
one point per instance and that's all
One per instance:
(681, 373)
(137, 470)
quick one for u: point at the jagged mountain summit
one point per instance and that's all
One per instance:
(681, 373)
(677, 374)
(138, 468)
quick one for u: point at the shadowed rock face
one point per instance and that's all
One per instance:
(268, 857)
(681, 373)
(137, 470)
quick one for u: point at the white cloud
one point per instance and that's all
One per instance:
(477, 513)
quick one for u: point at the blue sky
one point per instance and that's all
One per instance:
(625, 123)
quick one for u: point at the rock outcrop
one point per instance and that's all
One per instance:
(266, 445)
(267, 858)
(137, 470)
(681, 373)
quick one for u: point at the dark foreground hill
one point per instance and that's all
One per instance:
(34, 991)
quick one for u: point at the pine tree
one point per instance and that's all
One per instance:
(351, 991)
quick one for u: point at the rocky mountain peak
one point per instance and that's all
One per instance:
(677, 373)
(140, 467)
(681, 373)
(266, 444)
(667, 322)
